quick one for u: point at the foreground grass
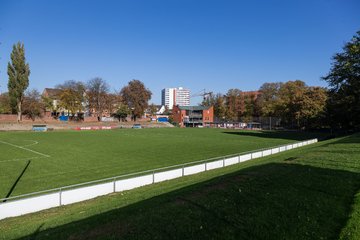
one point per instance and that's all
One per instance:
(306, 193)
(76, 157)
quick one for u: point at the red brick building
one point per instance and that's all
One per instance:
(193, 116)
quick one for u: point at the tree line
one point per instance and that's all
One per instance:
(74, 96)
(299, 105)
(94, 96)
(295, 103)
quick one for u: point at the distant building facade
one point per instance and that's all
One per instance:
(175, 96)
(54, 95)
(193, 116)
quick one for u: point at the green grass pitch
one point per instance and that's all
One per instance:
(69, 157)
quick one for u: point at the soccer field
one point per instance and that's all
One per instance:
(69, 157)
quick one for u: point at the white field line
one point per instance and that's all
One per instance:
(26, 149)
(31, 144)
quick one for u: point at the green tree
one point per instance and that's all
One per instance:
(268, 100)
(18, 71)
(122, 112)
(97, 91)
(291, 96)
(136, 96)
(5, 103)
(344, 82)
(208, 100)
(299, 105)
(233, 105)
(313, 106)
(218, 102)
(72, 96)
(219, 107)
(250, 108)
(48, 104)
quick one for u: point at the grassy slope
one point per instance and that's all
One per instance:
(84, 156)
(306, 193)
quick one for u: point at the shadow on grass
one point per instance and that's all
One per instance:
(17, 180)
(354, 138)
(290, 135)
(273, 201)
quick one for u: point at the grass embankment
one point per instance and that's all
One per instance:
(306, 193)
(76, 157)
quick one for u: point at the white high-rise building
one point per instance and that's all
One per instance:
(175, 96)
(167, 97)
(182, 97)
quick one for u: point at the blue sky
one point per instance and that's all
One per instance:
(212, 45)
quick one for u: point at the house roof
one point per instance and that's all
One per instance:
(193, 108)
(52, 92)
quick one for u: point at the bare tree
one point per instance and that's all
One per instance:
(33, 105)
(97, 91)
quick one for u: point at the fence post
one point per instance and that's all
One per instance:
(271, 152)
(60, 193)
(239, 159)
(182, 170)
(205, 166)
(251, 155)
(223, 162)
(153, 177)
(114, 184)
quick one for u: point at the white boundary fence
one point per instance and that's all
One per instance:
(33, 202)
